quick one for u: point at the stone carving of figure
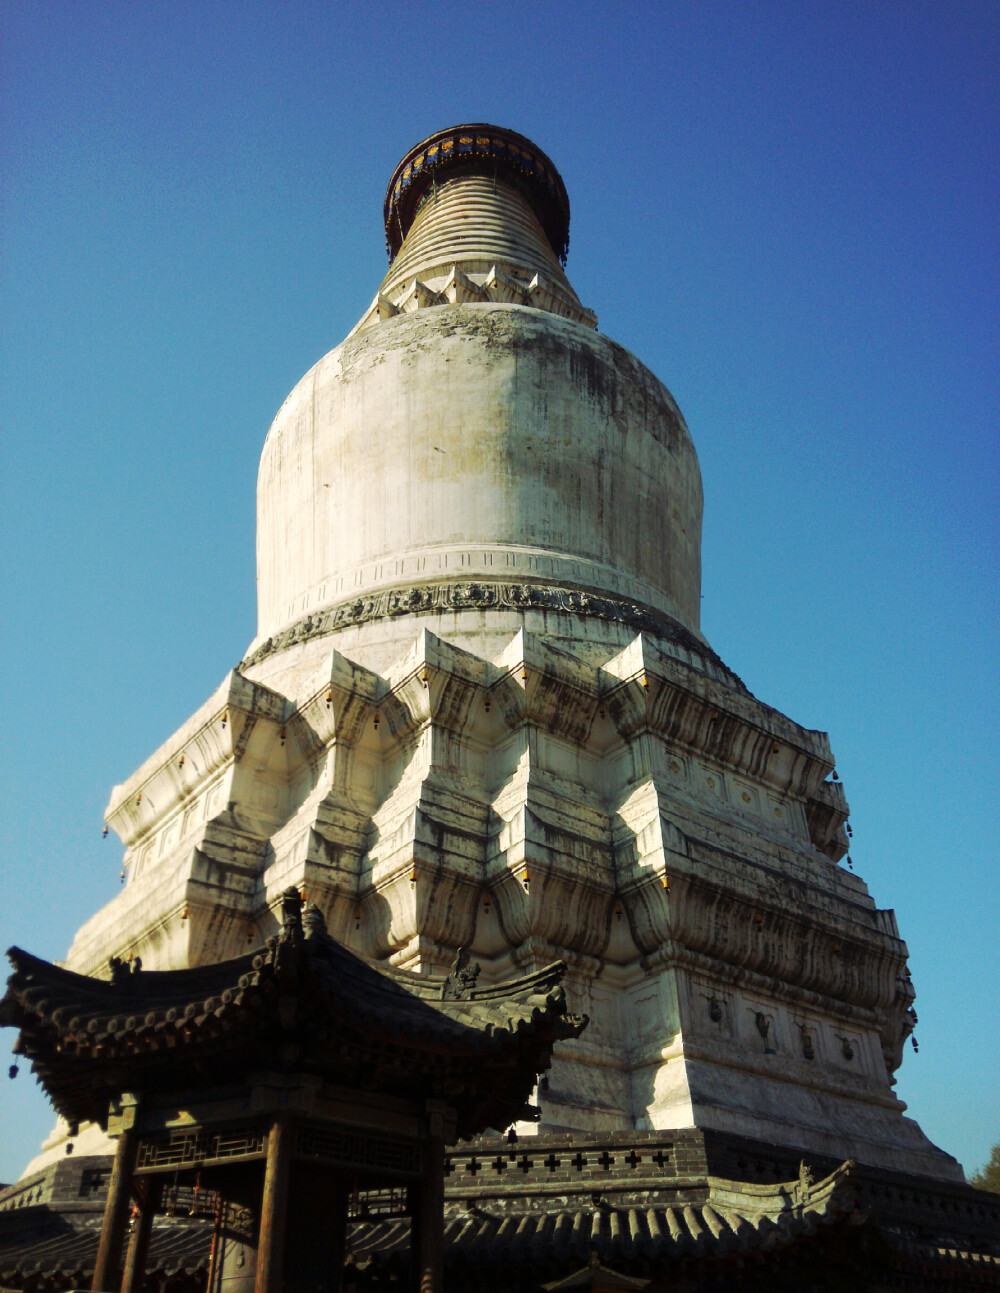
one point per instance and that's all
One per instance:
(764, 1028)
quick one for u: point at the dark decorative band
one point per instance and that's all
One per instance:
(424, 599)
(491, 150)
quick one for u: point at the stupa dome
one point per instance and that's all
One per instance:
(475, 428)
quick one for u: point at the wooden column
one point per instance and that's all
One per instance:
(274, 1205)
(138, 1247)
(316, 1231)
(107, 1268)
(212, 1276)
(427, 1222)
(414, 1193)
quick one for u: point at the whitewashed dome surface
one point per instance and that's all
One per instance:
(475, 429)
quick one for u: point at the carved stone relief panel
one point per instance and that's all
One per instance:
(746, 796)
(215, 800)
(169, 835)
(711, 1010)
(710, 782)
(677, 767)
(809, 1032)
(760, 1030)
(847, 1049)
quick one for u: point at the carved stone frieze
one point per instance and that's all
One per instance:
(484, 595)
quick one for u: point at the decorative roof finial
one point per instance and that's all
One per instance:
(291, 915)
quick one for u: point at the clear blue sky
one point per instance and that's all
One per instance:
(787, 210)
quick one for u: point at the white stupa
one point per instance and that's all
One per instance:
(479, 712)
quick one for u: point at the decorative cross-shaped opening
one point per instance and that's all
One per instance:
(524, 1163)
(579, 1162)
(606, 1161)
(633, 1159)
(662, 1158)
(473, 1165)
(499, 1164)
(552, 1162)
(91, 1181)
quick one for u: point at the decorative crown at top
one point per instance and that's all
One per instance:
(485, 150)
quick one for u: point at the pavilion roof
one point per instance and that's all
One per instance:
(302, 1004)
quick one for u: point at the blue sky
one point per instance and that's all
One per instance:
(787, 210)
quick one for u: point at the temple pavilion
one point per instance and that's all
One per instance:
(284, 1083)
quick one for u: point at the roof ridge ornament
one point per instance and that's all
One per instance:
(121, 971)
(291, 916)
(461, 981)
(313, 922)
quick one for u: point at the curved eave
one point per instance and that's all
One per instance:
(302, 1004)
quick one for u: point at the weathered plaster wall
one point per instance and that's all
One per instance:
(478, 441)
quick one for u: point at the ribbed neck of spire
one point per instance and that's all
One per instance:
(475, 222)
(475, 239)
